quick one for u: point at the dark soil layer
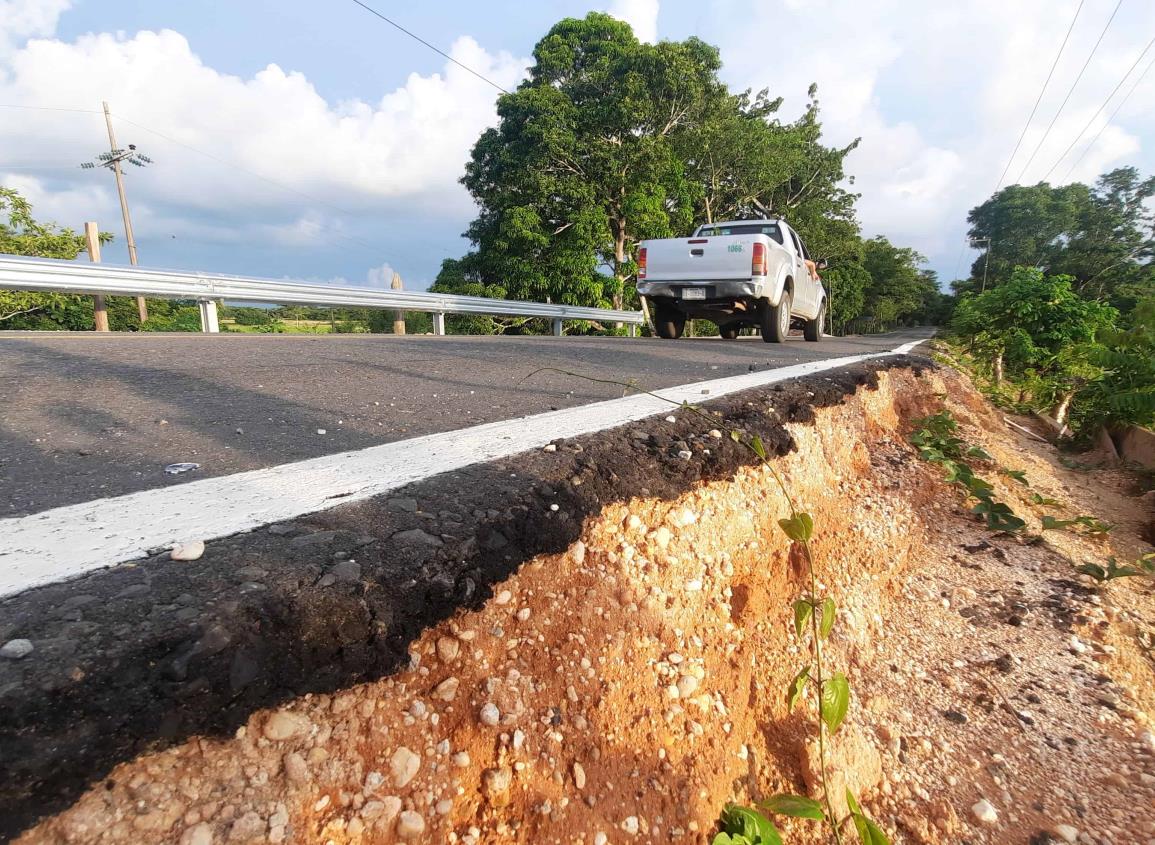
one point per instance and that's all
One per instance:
(142, 655)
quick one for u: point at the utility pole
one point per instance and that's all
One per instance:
(92, 243)
(112, 160)
(986, 258)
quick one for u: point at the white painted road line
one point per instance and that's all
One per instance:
(62, 543)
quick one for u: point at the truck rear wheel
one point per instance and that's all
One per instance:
(813, 331)
(669, 322)
(776, 319)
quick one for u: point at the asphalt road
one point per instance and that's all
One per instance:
(86, 416)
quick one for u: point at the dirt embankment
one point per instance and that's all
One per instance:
(625, 682)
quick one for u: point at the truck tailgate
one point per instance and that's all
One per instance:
(700, 259)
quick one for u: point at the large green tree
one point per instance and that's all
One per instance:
(583, 162)
(1103, 237)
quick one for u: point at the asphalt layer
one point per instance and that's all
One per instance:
(145, 654)
(86, 416)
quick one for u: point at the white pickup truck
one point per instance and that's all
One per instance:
(737, 274)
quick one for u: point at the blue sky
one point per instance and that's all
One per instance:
(327, 145)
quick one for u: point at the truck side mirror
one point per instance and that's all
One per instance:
(821, 264)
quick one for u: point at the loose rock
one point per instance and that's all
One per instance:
(285, 724)
(16, 649)
(403, 766)
(985, 812)
(188, 551)
(410, 825)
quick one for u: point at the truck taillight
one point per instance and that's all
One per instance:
(758, 260)
(642, 263)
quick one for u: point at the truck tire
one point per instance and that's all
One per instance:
(669, 322)
(729, 331)
(813, 330)
(776, 319)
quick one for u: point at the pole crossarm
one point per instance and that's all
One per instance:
(45, 274)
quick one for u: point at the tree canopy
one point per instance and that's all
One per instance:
(611, 141)
(1102, 236)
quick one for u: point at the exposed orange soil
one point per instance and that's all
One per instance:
(626, 690)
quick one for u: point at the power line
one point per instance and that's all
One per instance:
(47, 108)
(1119, 107)
(416, 37)
(1039, 99)
(1070, 91)
(1102, 106)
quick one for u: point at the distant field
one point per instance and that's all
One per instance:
(292, 327)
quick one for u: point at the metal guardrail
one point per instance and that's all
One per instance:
(50, 275)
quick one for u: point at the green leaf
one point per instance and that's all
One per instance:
(751, 824)
(827, 622)
(980, 454)
(1018, 475)
(735, 436)
(1052, 524)
(868, 832)
(795, 805)
(794, 691)
(1043, 500)
(835, 701)
(726, 839)
(852, 804)
(802, 610)
(799, 527)
(1095, 571)
(758, 447)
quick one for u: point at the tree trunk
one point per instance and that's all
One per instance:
(619, 228)
(1062, 408)
(999, 368)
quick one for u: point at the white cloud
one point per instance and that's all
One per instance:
(939, 93)
(28, 18)
(641, 15)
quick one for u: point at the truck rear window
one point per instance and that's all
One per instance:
(771, 229)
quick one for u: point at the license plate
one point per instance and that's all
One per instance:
(694, 293)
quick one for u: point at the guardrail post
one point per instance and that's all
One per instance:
(398, 316)
(99, 308)
(209, 323)
(438, 322)
(633, 330)
(557, 327)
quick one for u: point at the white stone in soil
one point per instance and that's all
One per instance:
(191, 550)
(1147, 740)
(985, 811)
(630, 825)
(296, 769)
(578, 552)
(490, 715)
(16, 649)
(448, 648)
(524, 614)
(461, 759)
(403, 766)
(687, 686)
(285, 724)
(504, 597)
(579, 775)
(1066, 832)
(600, 838)
(198, 834)
(447, 689)
(410, 825)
